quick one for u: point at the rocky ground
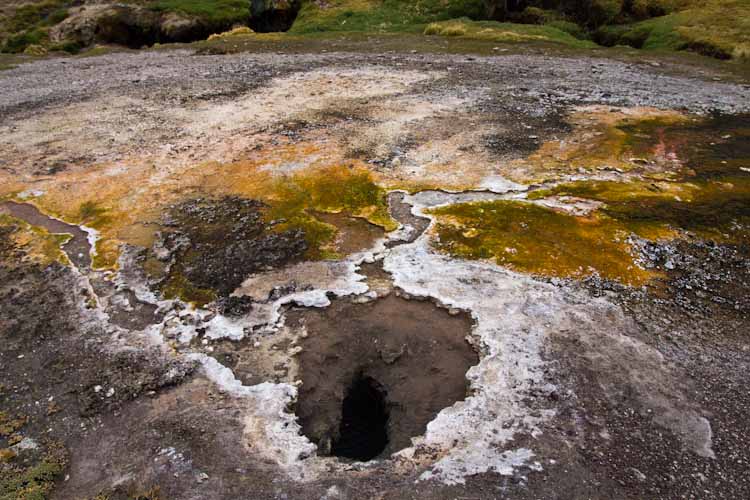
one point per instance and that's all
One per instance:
(373, 275)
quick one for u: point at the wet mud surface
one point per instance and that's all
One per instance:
(413, 225)
(78, 248)
(354, 234)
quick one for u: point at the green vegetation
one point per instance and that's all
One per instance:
(33, 482)
(33, 15)
(17, 43)
(381, 15)
(29, 24)
(505, 32)
(9, 425)
(716, 28)
(537, 240)
(27, 482)
(214, 12)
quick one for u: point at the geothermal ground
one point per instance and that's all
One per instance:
(335, 275)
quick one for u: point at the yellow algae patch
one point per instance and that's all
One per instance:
(236, 32)
(602, 138)
(707, 194)
(333, 189)
(533, 239)
(38, 245)
(716, 209)
(293, 197)
(9, 187)
(114, 201)
(125, 203)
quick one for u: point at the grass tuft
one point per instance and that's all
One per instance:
(219, 12)
(381, 15)
(505, 32)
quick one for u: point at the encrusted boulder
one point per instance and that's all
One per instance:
(128, 25)
(131, 25)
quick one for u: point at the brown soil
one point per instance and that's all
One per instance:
(354, 234)
(415, 354)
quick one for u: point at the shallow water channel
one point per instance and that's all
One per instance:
(77, 248)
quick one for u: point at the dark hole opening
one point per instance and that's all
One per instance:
(268, 16)
(363, 433)
(273, 20)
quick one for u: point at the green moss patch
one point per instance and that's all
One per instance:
(505, 32)
(29, 24)
(537, 240)
(716, 28)
(10, 424)
(35, 481)
(216, 12)
(381, 16)
(709, 194)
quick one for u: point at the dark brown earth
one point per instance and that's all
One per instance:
(354, 234)
(416, 351)
(215, 243)
(617, 439)
(60, 375)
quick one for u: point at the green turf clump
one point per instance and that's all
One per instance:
(494, 31)
(381, 16)
(218, 12)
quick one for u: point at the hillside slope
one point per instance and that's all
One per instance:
(716, 28)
